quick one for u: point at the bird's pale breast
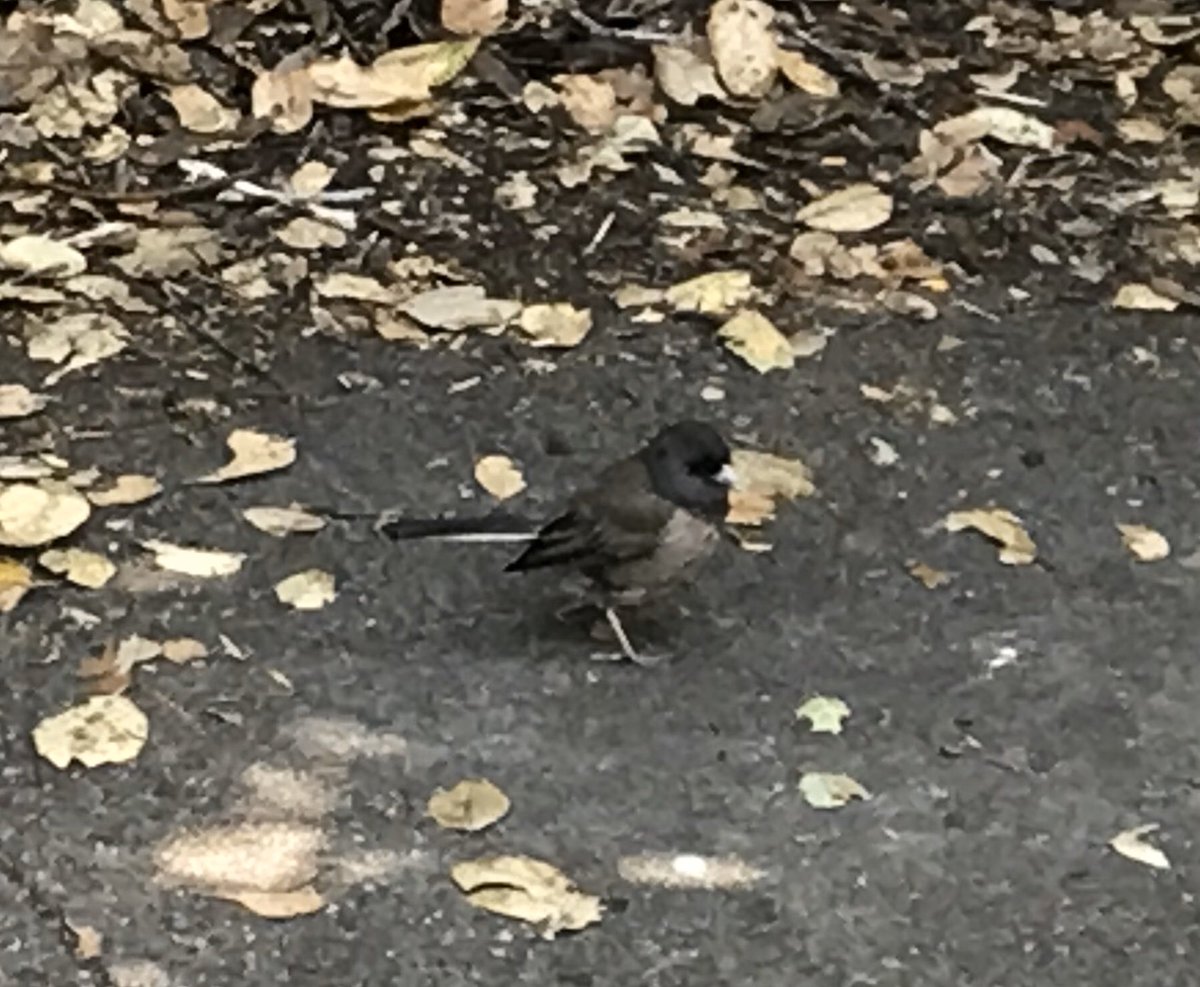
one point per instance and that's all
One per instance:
(685, 541)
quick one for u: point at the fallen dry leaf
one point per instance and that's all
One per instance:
(42, 256)
(199, 111)
(254, 453)
(305, 233)
(806, 76)
(33, 515)
(88, 942)
(76, 341)
(18, 401)
(15, 582)
(526, 889)
(202, 563)
(717, 293)
(830, 791)
(471, 805)
(402, 75)
(1001, 526)
(761, 479)
(688, 870)
(284, 96)
(280, 521)
(83, 568)
(278, 904)
(102, 730)
(1129, 843)
(753, 337)
(460, 307)
(479, 17)
(824, 713)
(181, 650)
(560, 325)
(358, 287)
(685, 75)
(590, 101)
(1146, 544)
(739, 34)
(128, 488)
(499, 476)
(1141, 297)
(310, 179)
(307, 590)
(928, 576)
(853, 209)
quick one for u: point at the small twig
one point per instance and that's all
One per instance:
(624, 34)
(136, 195)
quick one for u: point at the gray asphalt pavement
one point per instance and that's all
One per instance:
(1007, 725)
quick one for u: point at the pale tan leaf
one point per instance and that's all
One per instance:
(685, 75)
(1002, 527)
(1146, 544)
(78, 566)
(18, 401)
(42, 256)
(806, 76)
(526, 889)
(310, 589)
(753, 337)
(305, 233)
(199, 111)
(279, 904)
(590, 101)
(254, 453)
(830, 791)
(280, 521)
(499, 476)
(1141, 297)
(1141, 130)
(716, 293)
(460, 307)
(853, 209)
(284, 95)
(102, 730)
(359, 287)
(928, 576)
(824, 713)
(33, 515)
(479, 17)
(88, 942)
(128, 488)
(471, 805)
(739, 34)
(15, 581)
(560, 324)
(181, 650)
(202, 563)
(310, 179)
(403, 75)
(1130, 844)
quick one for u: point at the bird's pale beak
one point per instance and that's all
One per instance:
(726, 476)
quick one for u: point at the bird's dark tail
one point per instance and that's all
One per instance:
(491, 528)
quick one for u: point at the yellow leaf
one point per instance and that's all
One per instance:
(83, 568)
(200, 562)
(555, 325)
(1141, 297)
(853, 209)
(824, 713)
(1003, 527)
(15, 581)
(103, 730)
(129, 488)
(526, 889)
(36, 514)
(473, 804)
(830, 791)
(1146, 544)
(753, 337)
(253, 453)
(715, 293)
(739, 33)
(307, 590)
(499, 476)
(1130, 844)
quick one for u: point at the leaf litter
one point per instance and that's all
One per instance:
(527, 889)
(471, 805)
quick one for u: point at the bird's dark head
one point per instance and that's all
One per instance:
(689, 465)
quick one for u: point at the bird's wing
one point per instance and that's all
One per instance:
(617, 520)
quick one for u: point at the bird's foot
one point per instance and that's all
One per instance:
(637, 658)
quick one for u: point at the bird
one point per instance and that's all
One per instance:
(641, 527)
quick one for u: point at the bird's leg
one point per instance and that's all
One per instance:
(627, 649)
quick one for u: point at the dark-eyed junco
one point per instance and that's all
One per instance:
(639, 529)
